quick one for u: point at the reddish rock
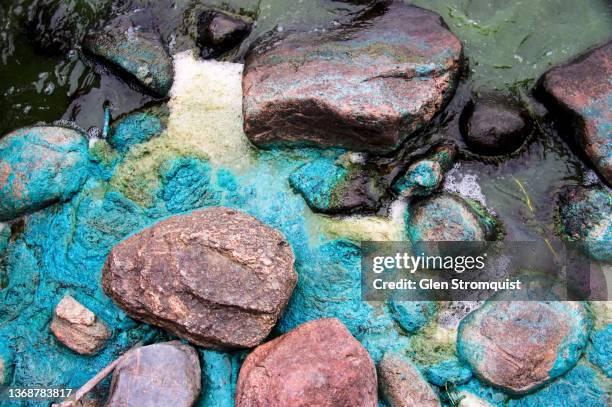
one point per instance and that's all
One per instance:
(164, 374)
(581, 92)
(78, 328)
(402, 385)
(365, 86)
(216, 277)
(317, 364)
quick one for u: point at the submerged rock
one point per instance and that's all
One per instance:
(164, 374)
(585, 217)
(581, 93)
(412, 315)
(426, 176)
(448, 372)
(216, 277)
(318, 363)
(78, 328)
(402, 385)
(219, 32)
(599, 353)
(137, 53)
(519, 346)
(449, 217)
(494, 125)
(366, 86)
(139, 126)
(39, 166)
(332, 186)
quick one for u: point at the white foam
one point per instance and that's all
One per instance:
(464, 184)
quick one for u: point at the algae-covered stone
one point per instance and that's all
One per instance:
(600, 353)
(164, 374)
(425, 176)
(402, 385)
(318, 363)
(581, 93)
(138, 53)
(519, 346)
(78, 328)
(139, 126)
(585, 217)
(365, 86)
(449, 217)
(412, 315)
(448, 372)
(39, 166)
(332, 186)
(216, 277)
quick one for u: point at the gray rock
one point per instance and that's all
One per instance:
(219, 32)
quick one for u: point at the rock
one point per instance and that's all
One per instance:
(365, 86)
(39, 166)
(78, 328)
(412, 315)
(6, 365)
(519, 346)
(318, 363)
(216, 277)
(585, 217)
(139, 54)
(425, 176)
(163, 374)
(138, 127)
(599, 353)
(448, 372)
(494, 124)
(581, 93)
(220, 32)
(401, 384)
(337, 186)
(449, 217)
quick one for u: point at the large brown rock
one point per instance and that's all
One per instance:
(164, 374)
(581, 93)
(216, 277)
(402, 385)
(78, 328)
(317, 364)
(365, 86)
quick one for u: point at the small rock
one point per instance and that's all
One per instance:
(412, 315)
(164, 374)
(139, 126)
(449, 217)
(494, 124)
(39, 166)
(318, 363)
(365, 86)
(78, 328)
(216, 277)
(220, 32)
(581, 94)
(448, 372)
(402, 385)
(585, 217)
(519, 346)
(425, 176)
(332, 186)
(139, 54)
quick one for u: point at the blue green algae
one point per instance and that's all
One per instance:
(412, 315)
(138, 127)
(599, 350)
(448, 372)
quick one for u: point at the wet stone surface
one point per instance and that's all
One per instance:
(219, 32)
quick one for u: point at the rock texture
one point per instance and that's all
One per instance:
(220, 32)
(78, 328)
(494, 124)
(164, 374)
(585, 217)
(449, 217)
(521, 345)
(366, 86)
(39, 166)
(139, 54)
(581, 92)
(317, 364)
(216, 277)
(402, 385)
